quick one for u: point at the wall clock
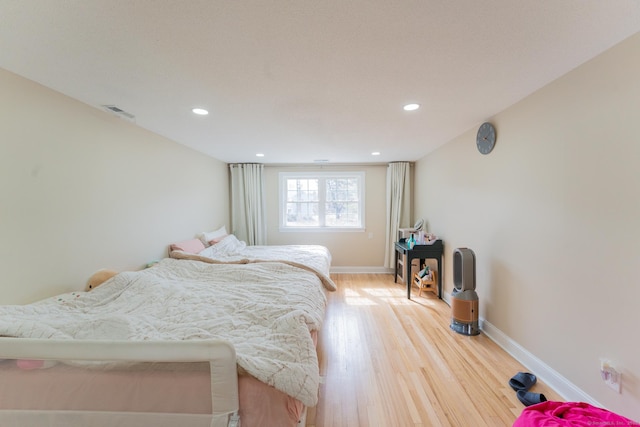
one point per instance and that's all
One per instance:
(486, 138)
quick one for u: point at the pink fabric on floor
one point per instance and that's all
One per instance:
(569, 414)
(29, 364)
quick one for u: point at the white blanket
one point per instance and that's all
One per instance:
(231, 250)
(265, 309)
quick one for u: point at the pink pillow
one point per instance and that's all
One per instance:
(192, 246)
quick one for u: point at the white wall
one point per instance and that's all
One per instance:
(83, 190)
(364, 250)
(552, 215)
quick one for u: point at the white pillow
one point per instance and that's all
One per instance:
(206, 237)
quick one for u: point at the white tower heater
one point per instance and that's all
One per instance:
(464, 299)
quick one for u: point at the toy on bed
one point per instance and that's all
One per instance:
(98, 278)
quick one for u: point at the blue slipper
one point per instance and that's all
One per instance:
(528, 398)
(522, 381)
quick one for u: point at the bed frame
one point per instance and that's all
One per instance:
(220, 355)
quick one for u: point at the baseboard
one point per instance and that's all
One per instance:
(549, 376)
(357, 270)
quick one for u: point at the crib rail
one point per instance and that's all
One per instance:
(220, 355)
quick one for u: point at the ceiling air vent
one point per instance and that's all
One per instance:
(119, 112)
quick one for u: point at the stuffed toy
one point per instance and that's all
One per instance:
(98, 278)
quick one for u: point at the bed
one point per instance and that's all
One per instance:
(229, 250)
(162, 342)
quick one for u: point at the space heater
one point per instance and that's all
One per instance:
(464, 299)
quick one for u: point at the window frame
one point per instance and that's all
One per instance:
(321, 176)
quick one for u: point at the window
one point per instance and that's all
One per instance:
(321, 201)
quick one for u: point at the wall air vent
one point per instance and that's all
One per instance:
(119, 112)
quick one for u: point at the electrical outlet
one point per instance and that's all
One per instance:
(610, 375)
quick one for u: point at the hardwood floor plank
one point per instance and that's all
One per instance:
(389, 361)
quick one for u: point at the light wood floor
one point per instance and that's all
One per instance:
(388, 361)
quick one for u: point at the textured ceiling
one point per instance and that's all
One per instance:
(305, 80)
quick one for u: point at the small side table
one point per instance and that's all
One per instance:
(421, 252)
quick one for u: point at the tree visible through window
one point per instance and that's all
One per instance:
(302, 202)
(322, 200)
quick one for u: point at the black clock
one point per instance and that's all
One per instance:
(486, 138)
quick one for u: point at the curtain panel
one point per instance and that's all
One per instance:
(398, 206)
(248, 209)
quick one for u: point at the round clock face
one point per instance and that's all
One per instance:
(486, 138)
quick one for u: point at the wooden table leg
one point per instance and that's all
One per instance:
(407, 277)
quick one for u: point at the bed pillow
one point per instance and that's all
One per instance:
(192, 246)
(206, 237)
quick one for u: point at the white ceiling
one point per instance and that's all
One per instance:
(302, 80)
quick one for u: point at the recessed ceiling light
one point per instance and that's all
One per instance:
(200, 111)
(411, 107)
(375, 153)
(259, 155)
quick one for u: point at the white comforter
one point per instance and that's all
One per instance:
(231, 250)
(265, 309)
